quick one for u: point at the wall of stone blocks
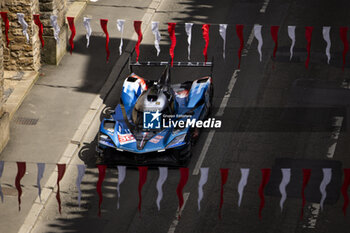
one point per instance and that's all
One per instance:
(21, 55)
(53, 52)
(1, 75)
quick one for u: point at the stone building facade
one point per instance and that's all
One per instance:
(4, 116)
(23, 55)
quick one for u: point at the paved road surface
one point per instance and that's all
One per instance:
(258, 132)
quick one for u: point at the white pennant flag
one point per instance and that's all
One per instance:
(188, 28)
(155, 31)
(41, 169)
(81, 173)
(56, 28)
(24, 24)
(120, 27)
(163, 174)
(327, 38)
(284, 182)
(222, 31)
(202, 181)
(291, 34)
(258, 36)
(87, 26)
(242, 183)
(327, 176)
(1, 170)
(121, 177)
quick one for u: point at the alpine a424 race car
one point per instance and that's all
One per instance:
(156, 122)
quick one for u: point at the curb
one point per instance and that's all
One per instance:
(94, 110)
(20, 92)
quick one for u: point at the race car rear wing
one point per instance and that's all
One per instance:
(165, 78)
(175, 64)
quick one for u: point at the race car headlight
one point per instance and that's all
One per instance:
(109, 126)
(177, 140)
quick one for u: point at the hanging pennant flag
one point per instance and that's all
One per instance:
(183, 180)
(266, 172)
(88, 29)
(120, 27)
(121, 177)
(41, 28)
(291, 34)
(155, 31)
(239, 31)
(101, 177)
(306, 177)
(224, 175)
(308, 35)
(205, 32)
(103, 23)
(24, 25)
(41, 169)
(171, 31)
(137, 26)
(344, 189)
(163, 174)
(274, 34)
(202, 181)
(257, 35)
(142, 181)
(222, 31)
(326, 37)
(7, 27)
(61, 170)
(343, 36)
(21, 170)
(72, 28)
(188, 28)
(242, 183)
(81, 173)
(284, 182)
(56, 28)
(327, 176)
(1, 170)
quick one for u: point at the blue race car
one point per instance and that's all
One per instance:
(156, 122)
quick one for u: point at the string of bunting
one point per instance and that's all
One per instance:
(257, 29)
(184, 176)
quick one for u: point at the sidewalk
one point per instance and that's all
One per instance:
(50, 116)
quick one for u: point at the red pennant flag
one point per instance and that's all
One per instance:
(41, 28)
(343, 35)
(101, 177)
(224, 175)
(105, 30)
(137, 26)
(306, 177)
(239, 31)
(266, 172)
(72, 29)
(61, 170)
(308, 34)
(142, 181)
(21, 170)
(183, 180)
(171, 31)
(344, 189)
(205, 31)
(7, 26)
(274, 34)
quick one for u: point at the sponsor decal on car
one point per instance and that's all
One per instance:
(126, 138)
(156, 139)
